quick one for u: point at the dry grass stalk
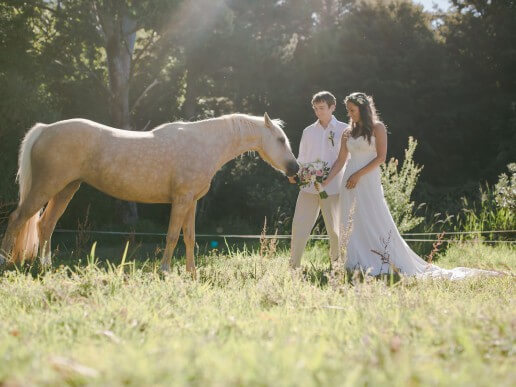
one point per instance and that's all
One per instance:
(83, 233)
(268, 246)
(338, 273)
(435, 247)
(385, 256)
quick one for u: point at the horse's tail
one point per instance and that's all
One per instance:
(27, 240)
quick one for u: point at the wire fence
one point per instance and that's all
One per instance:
(314, 237)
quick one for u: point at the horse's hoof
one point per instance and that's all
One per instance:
(192, 272)
(46, 262)
(165, 268)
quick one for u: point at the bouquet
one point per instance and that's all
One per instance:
(313, 173)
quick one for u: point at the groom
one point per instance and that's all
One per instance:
(321, 140)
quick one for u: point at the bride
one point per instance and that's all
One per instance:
(374, 243)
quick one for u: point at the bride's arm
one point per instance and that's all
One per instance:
(381, 153)
(341, 159)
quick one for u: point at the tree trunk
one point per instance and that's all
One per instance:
(119, 52)
(120, 33)
(190, 104)
(192, 91)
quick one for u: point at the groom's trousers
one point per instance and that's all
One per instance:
(307, 211)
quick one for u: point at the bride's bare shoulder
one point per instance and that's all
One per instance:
(379, 128)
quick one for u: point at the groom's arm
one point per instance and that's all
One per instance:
(341, 160)
(301, 157)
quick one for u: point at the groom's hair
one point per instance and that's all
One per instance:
(324, 96)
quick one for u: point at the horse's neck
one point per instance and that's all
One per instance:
(242, 135)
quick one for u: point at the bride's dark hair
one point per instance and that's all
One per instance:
(368, 115)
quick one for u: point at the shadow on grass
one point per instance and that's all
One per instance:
(322, 276)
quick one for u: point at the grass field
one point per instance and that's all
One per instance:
(248, 320)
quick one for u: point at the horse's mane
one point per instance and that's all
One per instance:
(238, 123)
(236, 117)
(259, 120)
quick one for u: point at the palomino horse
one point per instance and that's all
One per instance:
(174, 163)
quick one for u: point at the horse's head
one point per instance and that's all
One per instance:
(275, 147)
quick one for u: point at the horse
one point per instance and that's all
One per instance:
(173, 163)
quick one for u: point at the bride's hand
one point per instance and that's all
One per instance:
(324, 183)
(352, 181)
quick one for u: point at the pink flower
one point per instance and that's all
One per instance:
(319, 173)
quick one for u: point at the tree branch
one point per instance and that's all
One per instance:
(100, 24)
(42, 6)
(89, 71)
(144, 94)
(133, 30)
(107, 30)
(144, 49)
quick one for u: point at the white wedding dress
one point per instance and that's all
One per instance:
(372, 226)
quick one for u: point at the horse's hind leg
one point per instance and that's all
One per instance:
(18, 219)
(189, 238)
(55, 208)
(177, 215)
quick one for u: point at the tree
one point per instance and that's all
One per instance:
(98, 46)
(479, 37)
(21, 102)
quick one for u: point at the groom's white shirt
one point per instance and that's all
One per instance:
(316, 144)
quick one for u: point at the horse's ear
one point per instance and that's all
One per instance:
(268, 122)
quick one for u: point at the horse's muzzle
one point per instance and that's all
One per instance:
(292, 168)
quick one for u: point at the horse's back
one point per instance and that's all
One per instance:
(68, 134)
(68, 146)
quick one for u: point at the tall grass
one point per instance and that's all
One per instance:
(495, 209)
(484, 214)
(398, 185)
(249, 320)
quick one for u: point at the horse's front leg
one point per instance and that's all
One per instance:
(178, 212)
(189, 238)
